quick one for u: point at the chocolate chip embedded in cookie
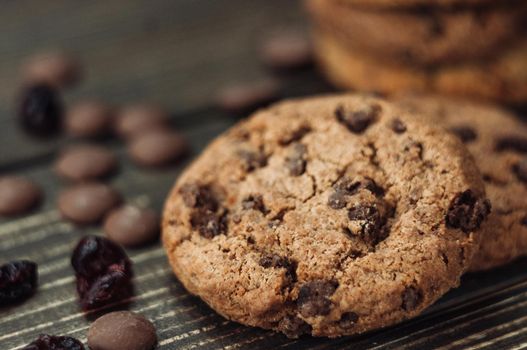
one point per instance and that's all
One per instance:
(498, 143)
(337, 219)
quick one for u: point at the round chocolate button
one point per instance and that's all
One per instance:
(137, 119)
(85, 162)
(132, 226)
(157, 148)
(122, 330)
(88, 119)
(17, 195)
(87, 203)
(55, 68)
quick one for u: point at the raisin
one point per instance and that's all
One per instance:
(196, 196)
(293, 326)
(348, 319)
(520, 169)
(296, 162)
(252, 160)
(40, 110)
(512, 143)
(103, 272)
(209, 223)
(359, 120)
(465, 133)
(276, 261)
(313, 297)
(467, 211)
(398, 126)
(51, 342)
(254, 202)
(18, 281)
(411, 297)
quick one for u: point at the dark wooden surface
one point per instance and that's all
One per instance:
(178, 53)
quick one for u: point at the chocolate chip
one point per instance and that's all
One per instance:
(313, 297)
(88, 119)
(523, 221)
(122, 330)
(512, 143)
(198, 196)
(411, 297)
(398, 126)
(252, 160)
(347, 186)
(254, 202)
(132, 226)
(209, 223)
(54, 68)
(294, 136)
(359, 120)
(87, 203)
(85, 162)
(245, 97)
(18, 195)
(277, 261)
(467, 212)
(134, 120)
(465, 133)
(296, 160)
(520, 169)
(371, 222)
(348, 320)
(293, 326)
(337, 200)
(157, 148)
(40, 110)
(371, 185)
(287, 50)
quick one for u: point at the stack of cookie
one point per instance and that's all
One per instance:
(472, 48)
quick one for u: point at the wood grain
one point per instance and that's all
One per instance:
(178, 53)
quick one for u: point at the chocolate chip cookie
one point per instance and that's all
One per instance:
(502, 78)
(498, 143)
(327, 216)
(421, 36)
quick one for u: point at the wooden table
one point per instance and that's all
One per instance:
(177, 53)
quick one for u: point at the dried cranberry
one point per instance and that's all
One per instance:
(18, 280)
(103, 271)
(40, 110)
(51, 342)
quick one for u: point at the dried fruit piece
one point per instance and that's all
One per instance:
(103, 272)
(51, 342)
(40, 110)
(467, 211)
(18, 281)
